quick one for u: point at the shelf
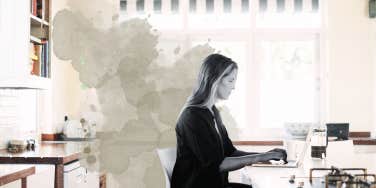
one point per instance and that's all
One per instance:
(29, 82)
(35, 40)
(40, 82)
(35, 21)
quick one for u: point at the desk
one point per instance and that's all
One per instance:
(266, 177)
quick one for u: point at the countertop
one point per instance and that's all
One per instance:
(45, 153)
(278, 141)
(10, 173)
(364, 141)
(339, 154)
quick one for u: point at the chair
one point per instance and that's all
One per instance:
(168, 159)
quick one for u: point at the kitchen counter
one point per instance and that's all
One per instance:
(57, 154)
(359, 138)
(364, 141)
(45, 153)
(279, 142)
(10, 173)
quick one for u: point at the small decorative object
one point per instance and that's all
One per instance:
(301, 184)
(92, 129)
(16, 146)
(30, 144)
(73, 129)
(84, 128)
(292, 179)
(372, 8)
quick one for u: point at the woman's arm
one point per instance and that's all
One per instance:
(239, 153)
(234, 163)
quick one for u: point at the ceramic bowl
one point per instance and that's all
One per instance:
(298, 129)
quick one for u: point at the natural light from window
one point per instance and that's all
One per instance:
(275, 42)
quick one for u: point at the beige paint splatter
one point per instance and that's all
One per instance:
(140, 99)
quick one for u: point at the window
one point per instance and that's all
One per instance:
(157, 4)
(209, 6)
(263, 5)
(237, 50)
(276, 44)
(175, 6)
(280, 5)
(315, 5)
(140, 5)
(288, 80)
(123, 5)
(192, 5)
(298, 5)
(245, 5)
(227, 6)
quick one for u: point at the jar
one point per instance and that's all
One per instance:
(318, 143)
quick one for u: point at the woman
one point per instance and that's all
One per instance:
(205, 153)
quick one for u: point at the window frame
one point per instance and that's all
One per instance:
(252, 35)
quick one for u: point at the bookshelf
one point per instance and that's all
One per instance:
(39, 46)
(21, 29)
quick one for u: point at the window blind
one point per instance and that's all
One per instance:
(242, 6)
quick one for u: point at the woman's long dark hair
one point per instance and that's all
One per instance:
(214, 67)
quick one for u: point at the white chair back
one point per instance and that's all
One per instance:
(168, 159)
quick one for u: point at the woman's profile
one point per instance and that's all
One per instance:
(205, 153)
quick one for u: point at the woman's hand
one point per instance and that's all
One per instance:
(278, 154)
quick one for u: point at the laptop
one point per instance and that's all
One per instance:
(290, 163)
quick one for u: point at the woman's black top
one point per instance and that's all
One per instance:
(200, 150)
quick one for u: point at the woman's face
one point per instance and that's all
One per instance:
(226, 85)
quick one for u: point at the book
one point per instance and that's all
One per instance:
(39, 64)
(36, 63)
(46, 58)
(33, 58)
(39, 11)
(42, 61)
(34, 7)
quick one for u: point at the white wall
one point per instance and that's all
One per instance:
(68, 97)
(65, 93)
(350, 64)
(373, 51)
(65, 90)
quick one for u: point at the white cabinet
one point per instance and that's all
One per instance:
(44, 177)
(365, 148)
(76, 175)
(14, 51)
(92, 179)
(14, 37)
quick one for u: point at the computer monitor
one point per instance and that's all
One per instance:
(339, 130)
